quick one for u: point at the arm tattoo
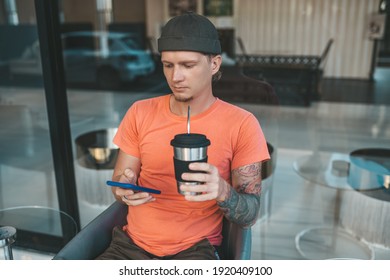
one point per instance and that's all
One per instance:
(243, 203)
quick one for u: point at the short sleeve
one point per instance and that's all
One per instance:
(251, 144)
(127, 136)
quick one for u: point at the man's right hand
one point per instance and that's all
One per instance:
(128, 196)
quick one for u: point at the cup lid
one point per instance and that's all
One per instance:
(190, 140)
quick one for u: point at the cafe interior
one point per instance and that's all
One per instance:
(315, 73)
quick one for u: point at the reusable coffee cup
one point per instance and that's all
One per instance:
(188, 148)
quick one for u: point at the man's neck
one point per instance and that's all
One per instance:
(198, 105)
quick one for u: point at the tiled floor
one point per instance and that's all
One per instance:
(296, 203)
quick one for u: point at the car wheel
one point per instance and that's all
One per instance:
(108, 78)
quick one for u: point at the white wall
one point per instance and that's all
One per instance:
(296, 27)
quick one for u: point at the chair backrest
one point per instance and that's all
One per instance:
(93, 239)
(235, 85)
(237, 241)
(324, 54)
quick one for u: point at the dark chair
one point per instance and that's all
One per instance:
(93, 239)
(235, 86)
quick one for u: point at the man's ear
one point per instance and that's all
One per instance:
(216, 63)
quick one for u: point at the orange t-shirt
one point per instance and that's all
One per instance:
(171, 224)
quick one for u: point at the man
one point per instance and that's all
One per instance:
(170, 225)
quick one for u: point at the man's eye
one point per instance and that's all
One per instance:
(189, 65)
(167, 65)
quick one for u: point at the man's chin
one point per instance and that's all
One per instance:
(183, 99)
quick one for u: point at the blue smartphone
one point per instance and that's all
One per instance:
(133, 187)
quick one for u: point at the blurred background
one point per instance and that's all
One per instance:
(314, 72)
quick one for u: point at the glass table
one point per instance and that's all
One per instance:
(38, 225)
(365, 171)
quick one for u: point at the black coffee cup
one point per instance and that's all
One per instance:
(188, 148)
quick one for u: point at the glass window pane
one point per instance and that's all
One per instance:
(28, 193)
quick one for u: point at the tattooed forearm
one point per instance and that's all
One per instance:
(241, 208)
(242, 205)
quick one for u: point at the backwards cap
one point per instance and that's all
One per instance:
(189, 32)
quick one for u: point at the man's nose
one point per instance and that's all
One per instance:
(177, 74)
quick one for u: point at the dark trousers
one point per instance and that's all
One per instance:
(122, 247)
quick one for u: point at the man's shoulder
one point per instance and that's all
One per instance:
(233, 109)
(142, 108)
(151, 101)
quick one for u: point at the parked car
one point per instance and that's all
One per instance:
(106, 58)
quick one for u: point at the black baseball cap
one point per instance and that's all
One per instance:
(189, 32)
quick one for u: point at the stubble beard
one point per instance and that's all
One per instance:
(183, 99)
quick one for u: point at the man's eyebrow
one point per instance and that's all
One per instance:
(182, 62)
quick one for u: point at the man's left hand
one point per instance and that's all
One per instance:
(211, 186)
